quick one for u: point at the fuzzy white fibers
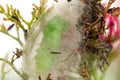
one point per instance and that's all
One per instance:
(71, 11)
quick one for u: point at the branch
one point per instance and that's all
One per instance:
(14, 68)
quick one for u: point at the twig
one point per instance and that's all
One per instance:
(16, 39)
(13, 67)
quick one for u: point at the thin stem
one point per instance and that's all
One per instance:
(19, 23)
(31, 21)
(22, 18)
(18, 35)
(17, 39)
(3, 72)
(13, 20)
(27, 23)
(13, 67)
